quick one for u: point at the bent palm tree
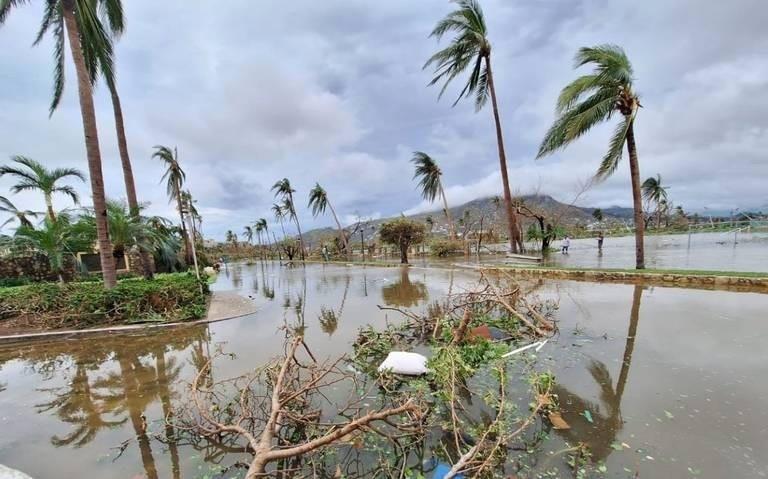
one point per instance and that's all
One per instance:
(471, 49)
(78, 21)
(34, 176)
(277, 210)
(248, 234)
(262, 225)
(318, 201)
(431, 186)
(22, 216)
(655, 192)
(174, 176)
(595, 98)
(283, 188)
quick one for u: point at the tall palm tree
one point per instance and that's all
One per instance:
(22, 216)
(262, 225)
(248, 234)
(655, 192)
(318, 201)
(471, 49)
(175, 177)
(34, 176)
(595, 98)
(283, 189)
(78, 21)
(277, 210)
(430, 183)
(259, 229)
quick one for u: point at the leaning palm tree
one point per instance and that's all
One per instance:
(248, 234)
(471, 49)
(175, 177)
(430, 183)
(34, 176)
(595, 98)
(655, 192)
(22, 216)
(262, 225)
(78, 21)
(258, 228)
(283, 188)
(318, 201)
(277, 210)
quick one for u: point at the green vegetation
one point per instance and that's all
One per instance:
(402, 233)
(443, 247)
(167, 297)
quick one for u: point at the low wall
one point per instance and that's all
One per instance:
(34, 266)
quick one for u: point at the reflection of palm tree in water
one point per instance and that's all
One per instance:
(78, 405)
(329, 319)
(602, 433)
(404, 293)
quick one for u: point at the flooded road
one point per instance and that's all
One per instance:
(658, 382)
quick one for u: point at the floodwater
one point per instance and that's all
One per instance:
(675, 375)
(702, 251)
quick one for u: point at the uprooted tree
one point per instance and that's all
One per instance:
(282, 412)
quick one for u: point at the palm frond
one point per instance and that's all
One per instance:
(7, 5)
(611, 62)
(612, 158)
(428, 172)
(69, 191)
(318, 200)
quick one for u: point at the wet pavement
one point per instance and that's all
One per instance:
(672, 379)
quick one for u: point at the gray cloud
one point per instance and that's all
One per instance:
(334, 92)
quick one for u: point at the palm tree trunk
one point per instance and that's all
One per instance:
(341, 231)
(515, 239)
(451, 227)
(634, 170)
(90, 131)
(187, 255)
(49, 207)
(130, 185)
(298, 228)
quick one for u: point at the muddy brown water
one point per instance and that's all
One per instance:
(673, 379)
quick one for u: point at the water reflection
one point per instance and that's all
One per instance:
(115, 381)
(329, 318)
(404, 293)
(600, 433)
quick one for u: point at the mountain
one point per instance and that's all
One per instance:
(492, 215)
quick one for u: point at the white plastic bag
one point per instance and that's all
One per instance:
(400, 362)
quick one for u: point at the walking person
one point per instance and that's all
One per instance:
(566, 244)
(600, 239)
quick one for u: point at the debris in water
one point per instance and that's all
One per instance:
(588, 416)
(557, 421)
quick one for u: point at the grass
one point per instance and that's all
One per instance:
(687, 272)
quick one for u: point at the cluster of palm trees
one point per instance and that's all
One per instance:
(584, 103)
(90, 29)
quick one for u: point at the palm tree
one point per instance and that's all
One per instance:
(471, 49)
(655, 192)
(277, 210)
(610, 90)
(262, 225)
(22, 216)
(318, 201)
(55, 239)
(248, 234)
(78, 20)
(259, 229)
(175, 177)
(283, 188)
(34, 176)
(431, 186)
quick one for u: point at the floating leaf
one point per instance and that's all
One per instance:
(669, 414)
(588, 416)
(602, 468)
(617, 446)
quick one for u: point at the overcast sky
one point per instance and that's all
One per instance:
(333, 91)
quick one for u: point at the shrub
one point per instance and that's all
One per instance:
(442, 247)
(168, 297)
